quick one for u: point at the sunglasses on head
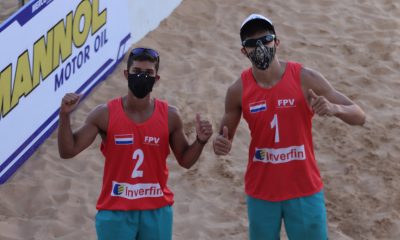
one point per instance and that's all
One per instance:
(146, 51)
(264, 40)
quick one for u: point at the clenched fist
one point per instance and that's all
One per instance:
(69, 102)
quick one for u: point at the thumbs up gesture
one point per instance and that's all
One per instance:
(320, 105)
(203, 130)
(222, 145)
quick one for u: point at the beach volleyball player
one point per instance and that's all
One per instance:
(137, 132)
(278, 100)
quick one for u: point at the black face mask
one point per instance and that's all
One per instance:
(140, 84)
(262, 55)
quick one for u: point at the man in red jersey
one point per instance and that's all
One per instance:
(137, 132)
(278, 100)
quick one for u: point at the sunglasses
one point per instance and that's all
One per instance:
(264, 40)
(145, 51)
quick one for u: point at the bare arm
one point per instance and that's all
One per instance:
(186, 154)
(70, 143)
(233, 111)
(327, 101)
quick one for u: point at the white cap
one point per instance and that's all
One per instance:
(259, 17)
(254, 16)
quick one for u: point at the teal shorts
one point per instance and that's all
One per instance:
(304, 218)
(135, 225)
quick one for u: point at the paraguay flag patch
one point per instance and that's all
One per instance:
(123, 139)
(258, 106)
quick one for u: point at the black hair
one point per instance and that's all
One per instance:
(144, 56)
(255, 26)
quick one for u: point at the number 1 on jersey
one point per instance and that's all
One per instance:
(139, 156)
(274, 123)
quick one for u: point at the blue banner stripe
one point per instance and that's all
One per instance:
(24, 14)
(27, 154)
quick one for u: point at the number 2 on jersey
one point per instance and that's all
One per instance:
(274, 123)
(139, 156)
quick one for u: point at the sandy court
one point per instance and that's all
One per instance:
(354, 44)
(7, 8)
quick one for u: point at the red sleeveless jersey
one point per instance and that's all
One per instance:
(281, 162)
(135, 170)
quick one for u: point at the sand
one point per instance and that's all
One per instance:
(354, 44)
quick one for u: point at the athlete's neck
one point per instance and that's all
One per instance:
(136, 106)
(271, 76)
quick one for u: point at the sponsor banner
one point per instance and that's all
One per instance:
(50, 48)
(279, 155)
(136, 191)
